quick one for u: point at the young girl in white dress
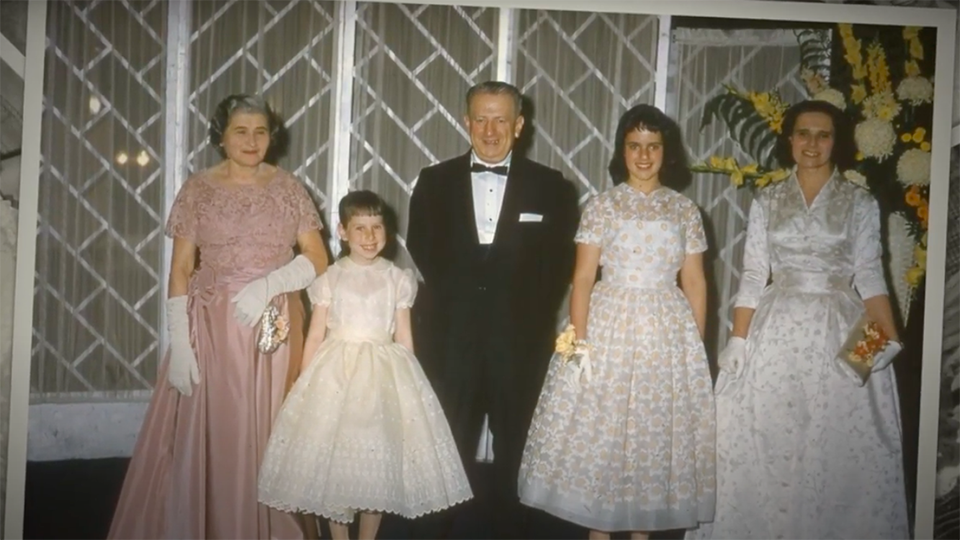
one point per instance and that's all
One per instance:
(362, 430)
(631, 446)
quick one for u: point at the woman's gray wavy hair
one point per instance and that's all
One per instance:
(246, 103)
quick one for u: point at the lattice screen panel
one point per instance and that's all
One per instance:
(582, 71)
(282, 49)
(99, 244)
(704, 65)
(413, 67)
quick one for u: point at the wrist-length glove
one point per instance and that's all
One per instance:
(733, 358)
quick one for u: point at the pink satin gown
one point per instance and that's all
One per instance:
(194, 469)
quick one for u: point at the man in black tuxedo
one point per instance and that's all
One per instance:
(492, 234)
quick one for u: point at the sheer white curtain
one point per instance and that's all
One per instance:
(703, 61)
(99, 243)
(282, 50)
(413, 65)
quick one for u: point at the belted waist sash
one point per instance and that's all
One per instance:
(353, 333)
(816, 282)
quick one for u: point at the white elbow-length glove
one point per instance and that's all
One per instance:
(886, 356)
(183, 371)
(733, 358)
(252, 300)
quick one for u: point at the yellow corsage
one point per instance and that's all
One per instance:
(575, 353)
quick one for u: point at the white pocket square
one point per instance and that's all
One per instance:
(531, 218)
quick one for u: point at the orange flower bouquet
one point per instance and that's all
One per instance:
(575, 352)
(866, 350)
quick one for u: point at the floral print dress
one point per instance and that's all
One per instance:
(632, 448)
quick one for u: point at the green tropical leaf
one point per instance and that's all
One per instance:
(815, 50)
(750, 131)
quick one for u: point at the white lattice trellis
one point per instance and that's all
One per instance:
(413, 66)
(707, 61)
(287, 55)
(111, 346)
(586, 69)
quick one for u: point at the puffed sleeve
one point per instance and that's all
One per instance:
(868, 250)
(183, 219)
(309, 217)
(694, 238)
(406, 289)
(319, 291)
(756, 258)
(591, 225)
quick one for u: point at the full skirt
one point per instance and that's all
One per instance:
(194, 468)
(633, 448)
(362, 430)
(803, 451)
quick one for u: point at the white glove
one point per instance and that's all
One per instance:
(183, 371)
(733, 358)
(252, 300)
(884, 357)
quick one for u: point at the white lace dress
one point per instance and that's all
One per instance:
(802, 450)
(632, 449)
(361, 428)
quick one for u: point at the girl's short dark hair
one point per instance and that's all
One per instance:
(245, 103)
(844, 154)
(364, 202)
(675, 171)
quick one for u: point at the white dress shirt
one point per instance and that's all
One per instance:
(488, 189)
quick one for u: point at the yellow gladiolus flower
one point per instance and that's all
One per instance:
(860, 72)
(910, 32)
(920, 255)
(716, 162)
(846, 29)
(736, 177)
(914, 275)
(750, 169)
(906, 137)
(858, 93)
(779, 174)
(911, 68)
(730, 164)
(925, 146)
(918, 134)
(916, 49)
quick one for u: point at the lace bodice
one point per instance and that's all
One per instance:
(837, 235)
(363, 297)
(644, 238)
(242, 226)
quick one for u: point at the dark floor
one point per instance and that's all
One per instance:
(75, 499)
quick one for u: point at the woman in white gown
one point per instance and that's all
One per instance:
(803, 451)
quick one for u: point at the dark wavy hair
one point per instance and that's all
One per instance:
(364, 202)
(245, 103)
(844, 154)
(675, 171)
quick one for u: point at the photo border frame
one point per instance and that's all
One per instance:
(943, 20)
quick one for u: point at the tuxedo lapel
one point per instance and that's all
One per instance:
(463, 199)
(510, 208)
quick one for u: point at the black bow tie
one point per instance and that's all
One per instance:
(480, 167)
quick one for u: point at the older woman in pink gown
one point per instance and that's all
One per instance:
(234, 227)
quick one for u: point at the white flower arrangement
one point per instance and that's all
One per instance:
(875, 138)
(913, 167)
(915, 90)
(833, 97)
